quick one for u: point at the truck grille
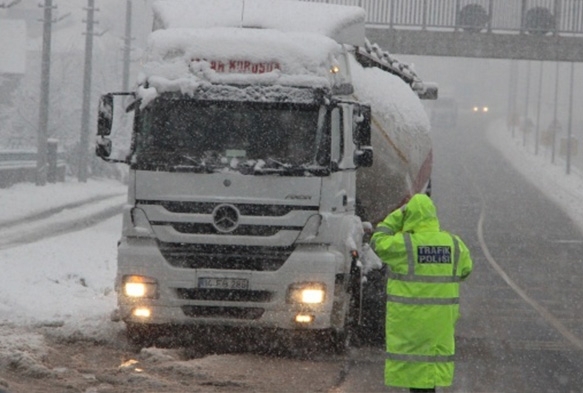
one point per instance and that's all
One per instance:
(227, 295)
(243, 230)
(244, 209)
(209, 256)
(223, 312)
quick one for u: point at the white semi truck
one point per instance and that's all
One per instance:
(251, 170)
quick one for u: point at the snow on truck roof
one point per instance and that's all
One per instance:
(182, 59)
(344, 24)
(247, 42)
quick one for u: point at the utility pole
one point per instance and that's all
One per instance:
(84, 141)
(570, 126)
(127, 48)
(43, 122)
(555, 125)
(526, 104)
(538, 103)
(513, 87)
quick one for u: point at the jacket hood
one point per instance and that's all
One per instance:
(420, 215)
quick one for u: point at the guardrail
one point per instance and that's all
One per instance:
(539, 17)
(19, 166)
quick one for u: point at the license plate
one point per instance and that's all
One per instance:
(223, 283)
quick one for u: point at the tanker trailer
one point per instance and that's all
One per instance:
(400, 132)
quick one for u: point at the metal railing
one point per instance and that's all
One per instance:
(18, 166)
(542, 17)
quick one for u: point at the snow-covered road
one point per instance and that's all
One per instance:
(56, 294)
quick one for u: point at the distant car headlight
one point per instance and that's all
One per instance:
(307, 293)
(481, 109)
(139, 287)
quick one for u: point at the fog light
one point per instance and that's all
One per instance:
(142, 312)
(312, 296)
(307, 293)
(140, 287)
(304, 318)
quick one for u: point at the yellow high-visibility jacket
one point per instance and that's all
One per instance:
(426, 266)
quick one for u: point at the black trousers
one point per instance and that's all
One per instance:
(413, 390)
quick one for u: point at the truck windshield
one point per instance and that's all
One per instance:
(212, 135)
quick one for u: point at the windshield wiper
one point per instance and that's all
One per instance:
(281, 168)
(195, 164)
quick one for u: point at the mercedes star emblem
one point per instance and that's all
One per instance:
(225, 218)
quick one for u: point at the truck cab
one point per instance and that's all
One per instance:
(245, 148)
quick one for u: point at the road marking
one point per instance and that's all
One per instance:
(543, 312)
(575, 341)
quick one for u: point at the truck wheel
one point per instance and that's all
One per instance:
(340, 341)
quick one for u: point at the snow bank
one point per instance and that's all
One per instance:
(23, 352)
(63, 283)
(565, 190)
(26, 199)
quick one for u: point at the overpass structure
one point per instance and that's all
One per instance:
(500, 29)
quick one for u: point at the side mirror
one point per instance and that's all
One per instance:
(105, 115)
(103, 147)
(427, 90)
(363, 155)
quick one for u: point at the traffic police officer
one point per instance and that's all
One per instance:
(426, 266)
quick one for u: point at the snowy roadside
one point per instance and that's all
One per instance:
(26, 199)
(62, 288)
(565, 190)
(61, 285)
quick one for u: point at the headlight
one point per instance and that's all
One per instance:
(139, 287)
(142, 312)
(307, 293)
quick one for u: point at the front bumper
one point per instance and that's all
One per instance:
(264, 304)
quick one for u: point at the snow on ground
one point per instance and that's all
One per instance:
(65, 283)
(25, 199)
(61, 279)
(551, 179)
